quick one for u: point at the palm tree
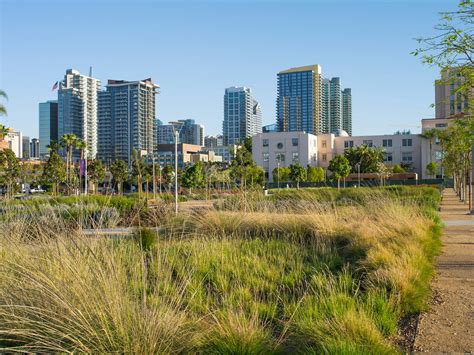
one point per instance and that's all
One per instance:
(3, 110)
(53, 146)
(68, 141)
(82, 146)
(3, 131)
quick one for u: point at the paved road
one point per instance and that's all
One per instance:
(449, 324)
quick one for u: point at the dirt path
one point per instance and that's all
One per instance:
(449, 324)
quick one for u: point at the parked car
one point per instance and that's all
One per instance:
(35, 190)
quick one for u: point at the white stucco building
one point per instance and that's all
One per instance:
(285, 148)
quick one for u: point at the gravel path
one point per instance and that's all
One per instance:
(449, 324)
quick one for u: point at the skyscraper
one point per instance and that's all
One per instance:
(77, 108)
(48, 125)
(337, 107)
(300, 100)
(242, 115)
(127, 120)
(347, 110)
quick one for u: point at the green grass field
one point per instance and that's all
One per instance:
(308, 271)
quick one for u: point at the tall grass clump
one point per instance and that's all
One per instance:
(317, 272)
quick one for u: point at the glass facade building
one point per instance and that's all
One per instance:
(299, 100)
(242, 115)
(347, 111)
(48, 125)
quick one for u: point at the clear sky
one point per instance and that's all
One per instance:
(195, 49)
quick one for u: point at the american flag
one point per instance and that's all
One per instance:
(55, 86)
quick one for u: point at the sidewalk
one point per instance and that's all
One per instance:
(449, 324)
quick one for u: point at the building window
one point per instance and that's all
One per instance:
(438, 155)
(348, 144)
(280, 145)
(440, 125)
(407, 157)
(324, 144)
(388, 157)
(407, 142)
(387, 143)
(294, 142)
(296, 157)
(265, 157)
(265, 142)
(368, 142)
(325, 157)
(280, 157)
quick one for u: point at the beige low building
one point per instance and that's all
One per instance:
(282, 149)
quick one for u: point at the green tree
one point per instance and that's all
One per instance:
(397, 169)
(54, 171)
(95, 173)
(340, 168)
(366, 156)
(431, 168)
(452, 50)
(430, 134)
(281, 174)
(3, 110)
(67, 142)
(119, 171)
(9, 170)
(192, 176)
(138, 169)
(3, 131)
(243, 163)
(315, 174)
(254, 176)
(297, 174)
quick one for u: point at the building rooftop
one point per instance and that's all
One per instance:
(315, 67)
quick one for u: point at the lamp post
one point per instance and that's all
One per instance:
(160, 168)
(177, 126)
(278, 173)
(154, 179)
(358, 173)
(85, 173)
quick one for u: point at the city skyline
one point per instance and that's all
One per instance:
(376, 107)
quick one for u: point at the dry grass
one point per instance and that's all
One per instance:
(303, 276)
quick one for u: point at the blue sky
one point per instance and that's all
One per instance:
(195, 49)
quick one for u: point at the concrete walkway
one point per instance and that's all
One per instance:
(449, 324)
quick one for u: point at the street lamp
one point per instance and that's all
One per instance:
(278, 173)
(154, 178)
(160, 168)
(358, 172)
(177, 126)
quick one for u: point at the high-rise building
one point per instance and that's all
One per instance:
(25, 147)
(48, 125)
(14, 142)
(347, 110)
(189, 132)
(299, 103)
(242, 115)
(449, 101)
(35, 148)
(213, 141)
(77, 108)
(127, 119)
(332, 102)
(337, 107)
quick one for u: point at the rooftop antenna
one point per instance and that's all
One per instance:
(90, 71)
